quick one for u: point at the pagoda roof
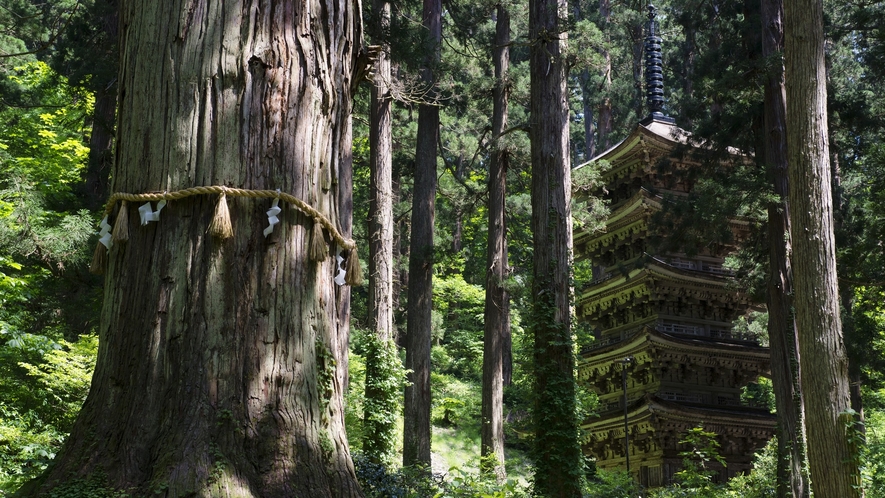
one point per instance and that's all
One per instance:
(645, 140)
(656, 412)
(650, 139)
(627, 219)
(630, 284)
(648, 341)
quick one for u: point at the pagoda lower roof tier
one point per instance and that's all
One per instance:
(658, 427)
(656, 280)
(653, 352)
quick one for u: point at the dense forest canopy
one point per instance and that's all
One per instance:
(59, 93)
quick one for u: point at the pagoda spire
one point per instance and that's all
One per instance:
(654, 72)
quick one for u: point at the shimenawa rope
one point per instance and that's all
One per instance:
(221, 226)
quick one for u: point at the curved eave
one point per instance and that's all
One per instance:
(655, 269)
(650, 338)
(660, 134)
(645, 140)
(632, 212)
(638, 147)
(691, 414)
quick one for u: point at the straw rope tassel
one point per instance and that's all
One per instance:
(99, 259)
(102, 247)
(319, 251)
(221, 226)
(353, 271)
(121, 226)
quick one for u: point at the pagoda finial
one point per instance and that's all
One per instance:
(654, 71)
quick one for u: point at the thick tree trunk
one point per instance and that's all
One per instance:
(381, 259)
(824, 365)
(558, 465)
(416, 431)
(791, 478)
(216, 374)
(497, 302)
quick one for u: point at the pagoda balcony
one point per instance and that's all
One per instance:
(704, 331)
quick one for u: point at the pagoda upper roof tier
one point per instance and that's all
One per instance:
(653, 279)
(640, 147)
(648, 142)
(648, 345)
(629, 220)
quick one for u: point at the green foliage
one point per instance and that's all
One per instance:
(45, 144)
(354, 400)
(555, 416)
(458, 309)
(456, 402)
(759, 394)
(612, 484)
(873, 453)
(44, 233)
(93, 486)
(43, 383)
(379, 481)
(695, 479)
(702, 450)
(385, 379)
(589, 211)
(761, 481)
(753, 325)
(854, 436)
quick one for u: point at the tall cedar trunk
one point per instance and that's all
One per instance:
(689, 28)
(587, 107)
(497, 303)
(416, 416)
(791, 478)
(458, 230)
(846, 291)
(855, 374)
(604, 125)
(824, 365)
(558, 463)
(216, 372)
(636, 35)
(101, 140)
(380, 233)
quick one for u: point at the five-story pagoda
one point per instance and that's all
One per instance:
(666, 359)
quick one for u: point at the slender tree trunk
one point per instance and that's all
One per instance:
(847, 291)
(689, 29)
(791, 478)
(101, 139)
(376, 446)
(604, 124)
(855, 374)
(216, 372)
(381, 185)
(558, 465)
(458, 230)
(416, 431)
(638, 39)
(497, 303)
(824, 365)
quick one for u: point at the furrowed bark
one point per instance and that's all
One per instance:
(216, 374)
